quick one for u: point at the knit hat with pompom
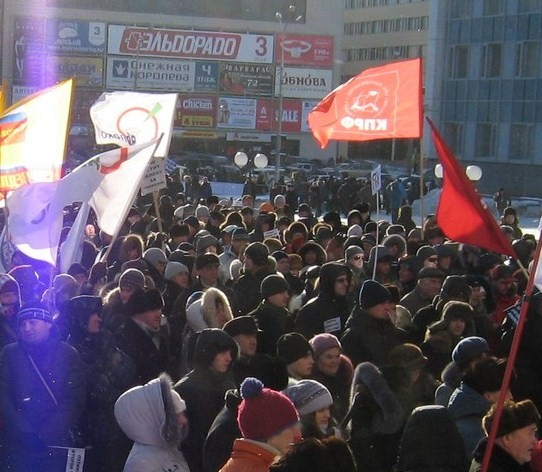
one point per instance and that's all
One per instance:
(264, 413)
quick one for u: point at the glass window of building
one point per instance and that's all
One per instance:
(460, 8)
(459, 62)
(527, 59)
(521, 142)
(493, 7)
(454, 137)
(526, 6)
(485, 140)
(491, 60)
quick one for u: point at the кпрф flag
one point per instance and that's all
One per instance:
(108, 182)
(33, 137)
(380, 103)
(128, 118)
(460, 212)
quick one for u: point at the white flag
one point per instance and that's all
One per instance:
(108, 182)
(128, 118)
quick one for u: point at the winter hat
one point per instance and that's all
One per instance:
(514, 416)
(309, 396)
(323, 342)
(241, 325)
(279, 200)
(502, 272)
(8, 284)
(456, 309)
(174, 268)
(273, 284)
(373, 293)
(469, 349)
(144, 300)
(292, 347)
(206, 260)
(258, 252)
(485, 375)
(455, 287)
(431, 273)
(355, 230)
(408, 356)
(352, 251)
(79, 310)
(34, 311)
(205, 242)
(202, 211)
(323, 234)
(77, 269)
(155, 256)
(425, 252)
(510, 211)
(62, 280)
(240, 234)
(279, 255)
(210, 342)
(192, 221)
(264, 413)
(132, 279)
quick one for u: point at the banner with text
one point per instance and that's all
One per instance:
(87, 71)
(79, 37)
(304, 83)
(246, 79)
(190, 44)
(195, 111)
(304, 50)
(236, 113)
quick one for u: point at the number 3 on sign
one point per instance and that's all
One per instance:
(261, 49)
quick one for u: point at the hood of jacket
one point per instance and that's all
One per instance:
(329, 272)
(209, 310)
(210, 342)
(147, 415)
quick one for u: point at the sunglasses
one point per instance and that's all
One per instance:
(357, 258)
(433, 259)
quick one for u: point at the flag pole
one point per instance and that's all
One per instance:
(158, 218)
(511, 361)
(422, 209)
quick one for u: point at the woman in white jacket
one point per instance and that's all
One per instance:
(153, 416)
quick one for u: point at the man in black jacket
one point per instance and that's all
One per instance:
(328, 312)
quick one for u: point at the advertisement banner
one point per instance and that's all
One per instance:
(236, 113)
(267, 113)
(246, 136)
(246, 79)
(190, 44)
(87, 71)
(145, 73)
(195, 111)
(304, 83)
(80, 37)
(306, 107)
(28, 57)
(206, 76)
(18, 92)
(304, 50)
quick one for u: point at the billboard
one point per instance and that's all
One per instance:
(267, 113)
(304, 83)
(146, 73)
(87, 71)
(236, 113)
(190, 44)
(246, 79)
(79, 37)
(304, 50)
(195, 111)
(206, 76)
(28, 57)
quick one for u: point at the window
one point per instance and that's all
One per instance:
(460, 8)
(527, 59)
(493, 7)
(459, 62)
(491, 60)
(521, 142)
(485, 140)
(454, 137)
(525, 6)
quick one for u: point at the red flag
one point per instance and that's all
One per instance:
(380, 103)
(460, 212)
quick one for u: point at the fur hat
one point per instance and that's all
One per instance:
(323, 342)
(426, 252)
(485, 375)
(373, 293)
(264, 413)
(455, 287)
(173, 268)
(309, 396)
(144, 300)
(292, 347)
(408, 356)
(258, 252)
(514, 416)
(273, 284)
(34, 311)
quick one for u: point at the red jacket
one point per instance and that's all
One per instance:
(249, 456)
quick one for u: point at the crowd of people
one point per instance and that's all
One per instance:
(208, 337)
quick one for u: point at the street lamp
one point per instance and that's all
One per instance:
(474, 173)
(241, 159)
(284, 25)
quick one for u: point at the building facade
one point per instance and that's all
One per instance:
(234, 63)
(484, 88)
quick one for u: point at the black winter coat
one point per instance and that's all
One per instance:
(273, 322)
